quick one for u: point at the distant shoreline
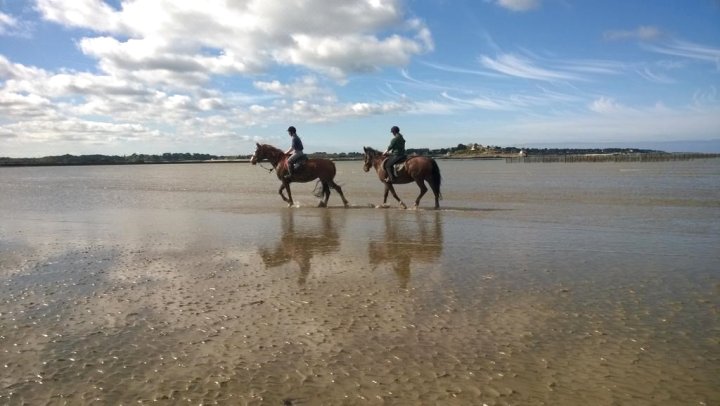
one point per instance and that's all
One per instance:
(5, 164)
(530, 155)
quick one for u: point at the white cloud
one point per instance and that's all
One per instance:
(76, 130)
(515, 102)
(7, 23)
(12, 71)
(11, 26)
(519, 5)
(514, 65)
(80, 13)
(302, 110)
(22, 106)
(620, 124)
(185, 41)
(161, 64)
(654, 76)
(605, 105)
(483, 103)
(688, 50)
(705, 97)
(302, 88)
(455, 69)
(642, 33)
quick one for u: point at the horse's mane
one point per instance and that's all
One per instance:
(372, 151)
(271, 147)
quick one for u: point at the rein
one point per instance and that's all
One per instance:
(260, 164)
(268, 155)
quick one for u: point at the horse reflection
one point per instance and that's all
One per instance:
(408, 240)
(302, 238)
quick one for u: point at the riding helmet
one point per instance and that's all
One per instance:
(395, 129)
(291, 130)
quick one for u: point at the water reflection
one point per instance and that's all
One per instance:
(302, 238)
(408, 239)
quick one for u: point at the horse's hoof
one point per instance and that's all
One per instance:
(322, 204)
(403, 205)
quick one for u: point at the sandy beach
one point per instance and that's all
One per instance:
(558, 284)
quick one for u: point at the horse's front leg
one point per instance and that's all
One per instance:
(389, 188)
(423, 190)
(385, 195)
(288, 199)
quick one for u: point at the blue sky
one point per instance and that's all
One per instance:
(154, 76)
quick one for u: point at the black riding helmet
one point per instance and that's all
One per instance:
(291, 130)
(395, 129)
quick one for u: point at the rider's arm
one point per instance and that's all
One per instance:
(390, 147)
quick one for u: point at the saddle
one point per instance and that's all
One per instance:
(398, 167)
(299, 163)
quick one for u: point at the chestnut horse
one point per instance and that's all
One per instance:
(418, 169)
(322, 169)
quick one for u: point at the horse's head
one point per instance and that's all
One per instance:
(370, 154)
(256, 155)
(264, 151)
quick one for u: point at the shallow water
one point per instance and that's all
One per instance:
(535, 284)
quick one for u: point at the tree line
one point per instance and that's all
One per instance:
(461, 150)
(97, 159)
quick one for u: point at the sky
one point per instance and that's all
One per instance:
(118, 77)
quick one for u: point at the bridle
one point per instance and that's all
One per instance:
(370, 157)
(259, 162)
(267, 169)
(367, 164)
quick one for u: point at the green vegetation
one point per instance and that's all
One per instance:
(112, 159)
(461, 151)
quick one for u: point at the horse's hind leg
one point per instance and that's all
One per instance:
(436, 192)
(325, 194)
(423, 190)
(340, 192)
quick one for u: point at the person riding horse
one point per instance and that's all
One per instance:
(296, 149)
(395, 152)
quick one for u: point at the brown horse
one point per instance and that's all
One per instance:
(322, 169)
(418, 169)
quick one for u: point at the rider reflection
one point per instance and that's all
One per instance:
(408, 241)
(301, 243)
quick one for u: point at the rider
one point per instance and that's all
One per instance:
(396, 152)
(296, 149)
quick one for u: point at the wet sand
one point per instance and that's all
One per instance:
(173, 290)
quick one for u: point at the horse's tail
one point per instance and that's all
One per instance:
(436, 179)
